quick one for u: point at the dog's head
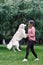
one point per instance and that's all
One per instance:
(22, 30)
(22, 26)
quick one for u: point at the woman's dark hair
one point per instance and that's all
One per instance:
(31, 22)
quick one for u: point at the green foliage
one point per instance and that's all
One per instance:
(20, 11)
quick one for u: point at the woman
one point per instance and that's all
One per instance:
(31, 41)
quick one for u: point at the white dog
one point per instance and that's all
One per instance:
(20, 34)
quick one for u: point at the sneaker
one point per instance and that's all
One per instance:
(24, 60)
(36, 59)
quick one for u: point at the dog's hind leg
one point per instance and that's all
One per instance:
(14, 49)
(16, 44)
(18, 49)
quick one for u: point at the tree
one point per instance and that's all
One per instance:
(20, 11)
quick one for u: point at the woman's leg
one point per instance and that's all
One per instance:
(33, 51)
(27, 51)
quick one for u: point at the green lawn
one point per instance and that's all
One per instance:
(15, 58)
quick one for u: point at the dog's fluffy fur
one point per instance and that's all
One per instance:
(20, 34)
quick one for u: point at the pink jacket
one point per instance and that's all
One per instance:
(31, 34)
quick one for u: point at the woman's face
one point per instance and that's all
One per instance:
(30, 25)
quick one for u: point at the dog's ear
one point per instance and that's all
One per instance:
(22, 25)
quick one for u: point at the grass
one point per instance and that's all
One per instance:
(15, 58)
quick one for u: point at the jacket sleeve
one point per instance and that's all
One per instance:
(32, 34)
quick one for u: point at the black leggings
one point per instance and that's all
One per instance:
(30, 46)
